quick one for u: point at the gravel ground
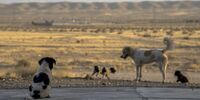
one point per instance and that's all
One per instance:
(80, 82)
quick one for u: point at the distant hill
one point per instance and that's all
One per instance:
(100, 12)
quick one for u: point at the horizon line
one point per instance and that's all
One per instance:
(16, 2)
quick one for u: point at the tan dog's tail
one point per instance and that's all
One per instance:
(169, 44)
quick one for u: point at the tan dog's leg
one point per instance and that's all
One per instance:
(140, 71)
(161, 67)
(165, 64)
(137, 73)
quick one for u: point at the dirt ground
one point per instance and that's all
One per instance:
(77, 52)
(123, 81)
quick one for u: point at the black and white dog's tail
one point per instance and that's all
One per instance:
(169, 44)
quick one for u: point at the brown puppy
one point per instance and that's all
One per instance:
(180, 77)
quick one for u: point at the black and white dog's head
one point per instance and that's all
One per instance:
(40, 86)
(49, 60)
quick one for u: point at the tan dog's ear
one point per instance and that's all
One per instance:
(127, 49)
(131, 51)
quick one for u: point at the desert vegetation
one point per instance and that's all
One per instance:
(78, 51)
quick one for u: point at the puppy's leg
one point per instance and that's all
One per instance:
(97, 76)
(93, 74)
(103, 75)
(107, 77)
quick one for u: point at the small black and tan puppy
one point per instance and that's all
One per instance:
(104, 71)
(180, 77)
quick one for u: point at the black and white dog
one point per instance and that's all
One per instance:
(40, 87)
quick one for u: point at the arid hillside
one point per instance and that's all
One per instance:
(130, 12)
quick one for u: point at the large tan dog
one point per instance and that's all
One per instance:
(141, 57)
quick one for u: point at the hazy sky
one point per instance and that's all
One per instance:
(14, 1)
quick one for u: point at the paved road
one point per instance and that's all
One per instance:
(127, 93)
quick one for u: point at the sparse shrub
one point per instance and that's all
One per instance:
(193, 67)
(97, 30)
(78, 41)
(61, 30)
(112, 30)
(23, 63)
(186, 38)
(155, 31)
(71, 30)
(25, 72)
(146, 35)
(83, 30)
(78, 62)
(50, 37)
(103, 30)
(10, 75)
(185, 32)
(63, 73)
(190, 34)
(170, 33)
(120, 32)
(86, 54)
(88, 77)
(23, 69)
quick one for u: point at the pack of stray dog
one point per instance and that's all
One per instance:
(41, 84)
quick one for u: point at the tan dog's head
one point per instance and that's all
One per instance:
(126, 52)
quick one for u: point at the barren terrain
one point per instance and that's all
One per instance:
(77, 52)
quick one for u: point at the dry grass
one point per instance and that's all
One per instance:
(78, 51)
